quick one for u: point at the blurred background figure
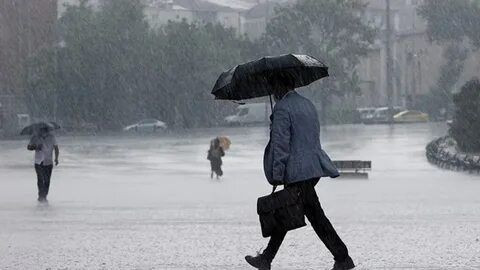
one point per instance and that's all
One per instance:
(43, 142)
(215, 154)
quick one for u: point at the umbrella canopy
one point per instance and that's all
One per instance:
(224, 142)
(37, 127)
(259, 78)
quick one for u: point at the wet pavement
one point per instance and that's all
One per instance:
(147, 202)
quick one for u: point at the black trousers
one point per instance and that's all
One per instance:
(216, 166)
(44, 172)
(318, 220)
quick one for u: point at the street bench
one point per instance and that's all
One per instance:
(353, 168)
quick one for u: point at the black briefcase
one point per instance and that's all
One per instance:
(281, 211)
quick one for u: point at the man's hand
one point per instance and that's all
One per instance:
(56, 162)
(36, 147)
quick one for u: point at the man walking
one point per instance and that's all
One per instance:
(44, 143)
(294, 157)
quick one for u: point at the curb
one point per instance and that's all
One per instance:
(437, 154)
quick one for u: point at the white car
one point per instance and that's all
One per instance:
(253, 113)
(147, 125)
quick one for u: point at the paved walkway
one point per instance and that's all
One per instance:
(148, 203)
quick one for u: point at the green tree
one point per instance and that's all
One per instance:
(450, 23)
(114, 69)
(452, 20)
(42, 82)
(331, 30)
(466, 125)
(195, 55)
(440, 95)
(97, 72)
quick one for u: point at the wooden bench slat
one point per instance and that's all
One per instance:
(353, 164)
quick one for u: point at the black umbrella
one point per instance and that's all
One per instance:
(259, 77)
(36, 127)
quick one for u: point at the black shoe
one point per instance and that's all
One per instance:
(258, 262)
(345, 265)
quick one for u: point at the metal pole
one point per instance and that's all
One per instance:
(56, 47)
(267, 118)
(389, 62)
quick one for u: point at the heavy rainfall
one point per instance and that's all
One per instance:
(147, 134)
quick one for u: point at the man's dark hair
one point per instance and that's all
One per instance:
(287, 80)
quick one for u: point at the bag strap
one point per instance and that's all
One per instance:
(275, 186)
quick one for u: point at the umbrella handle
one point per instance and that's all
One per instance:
(271, 105)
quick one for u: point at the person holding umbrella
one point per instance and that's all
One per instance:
(44, 143)
(215, 154)
(294, 156)
(218, 146)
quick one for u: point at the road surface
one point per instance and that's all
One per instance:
(147, 202)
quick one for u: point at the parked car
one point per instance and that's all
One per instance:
(254, 113)
(381, 115)
(365, 114)
(410, 117)
(147, 125)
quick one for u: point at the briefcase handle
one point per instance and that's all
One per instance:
(275, 187)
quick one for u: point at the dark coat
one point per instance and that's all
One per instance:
(294, 152)
(215, 155)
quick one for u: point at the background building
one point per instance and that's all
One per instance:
(416, 61)
(160, 12)
(246, 17)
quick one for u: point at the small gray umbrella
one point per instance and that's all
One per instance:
(37, 127)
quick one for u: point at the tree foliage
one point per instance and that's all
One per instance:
(114, 69)
(194, 56)
(466, 125)
(332, 30)
(451, 23)
(440, 95)
(452, 20)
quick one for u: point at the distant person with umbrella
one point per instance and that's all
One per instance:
(294, 156)
(44, 143)
(215, 154)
